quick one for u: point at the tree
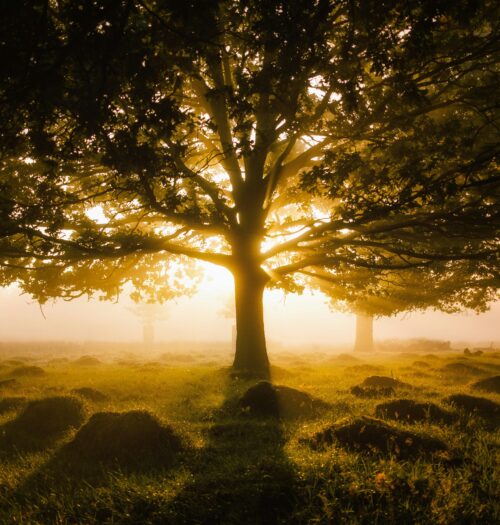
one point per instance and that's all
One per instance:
(364, 333)
(276, 139)
(440, 286)
(149, 314)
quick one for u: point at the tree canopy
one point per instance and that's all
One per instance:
(449, 287)
(281, 140)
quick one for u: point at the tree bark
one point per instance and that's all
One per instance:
(364, 333)
(251, 351)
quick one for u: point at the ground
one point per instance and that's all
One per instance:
(235, 467)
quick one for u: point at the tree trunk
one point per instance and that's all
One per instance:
(364, 333)
(251, 352)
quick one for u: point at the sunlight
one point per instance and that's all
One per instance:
(216, 282)
(96, 214)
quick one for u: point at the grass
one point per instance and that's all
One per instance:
(234, 468)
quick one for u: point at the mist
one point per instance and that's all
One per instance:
(291, 320)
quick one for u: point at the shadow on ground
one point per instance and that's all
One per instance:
(241, 475)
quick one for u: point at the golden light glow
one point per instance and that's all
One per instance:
(217, 281)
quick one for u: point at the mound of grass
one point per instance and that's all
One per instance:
(277, 372)
(490, 384)
(363, 369)
(421, 364)
(90, 393)
(178, 358)
(418, 373)
(268, 400)
(407, 355)
(28, 371)
(7, 404)
(371, 393)
(13, 362)
(51, 416)
(128, 439)
(87, 360)
(58, 361)
(42, 422)
(476, 406)
(384, 382)
(411, 411)
(372, 435)
(9, 383)
(343, 358)
(462, 369)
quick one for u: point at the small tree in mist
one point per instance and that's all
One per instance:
(149, 314)
(275, 139)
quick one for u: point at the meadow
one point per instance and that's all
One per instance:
(198, 447)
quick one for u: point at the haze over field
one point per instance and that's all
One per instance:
(291, 320)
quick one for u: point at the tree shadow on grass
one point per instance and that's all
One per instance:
(242, 475)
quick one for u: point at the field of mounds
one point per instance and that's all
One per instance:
(177, 438)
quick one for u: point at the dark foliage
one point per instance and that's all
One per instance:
(351, 142)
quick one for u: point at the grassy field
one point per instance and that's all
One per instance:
(231, 465)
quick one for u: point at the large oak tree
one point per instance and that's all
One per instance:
(277, 139)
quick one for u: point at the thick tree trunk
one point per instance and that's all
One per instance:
(364, 333)
(251, 351)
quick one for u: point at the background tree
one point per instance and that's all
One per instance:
(271, 138)
(444, 286)
(149, 314)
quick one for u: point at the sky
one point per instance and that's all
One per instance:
(291, 320)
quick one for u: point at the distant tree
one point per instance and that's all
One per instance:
(149, 314)
(364, 333)
(448, 287)
(228, 312)
(272, 138)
